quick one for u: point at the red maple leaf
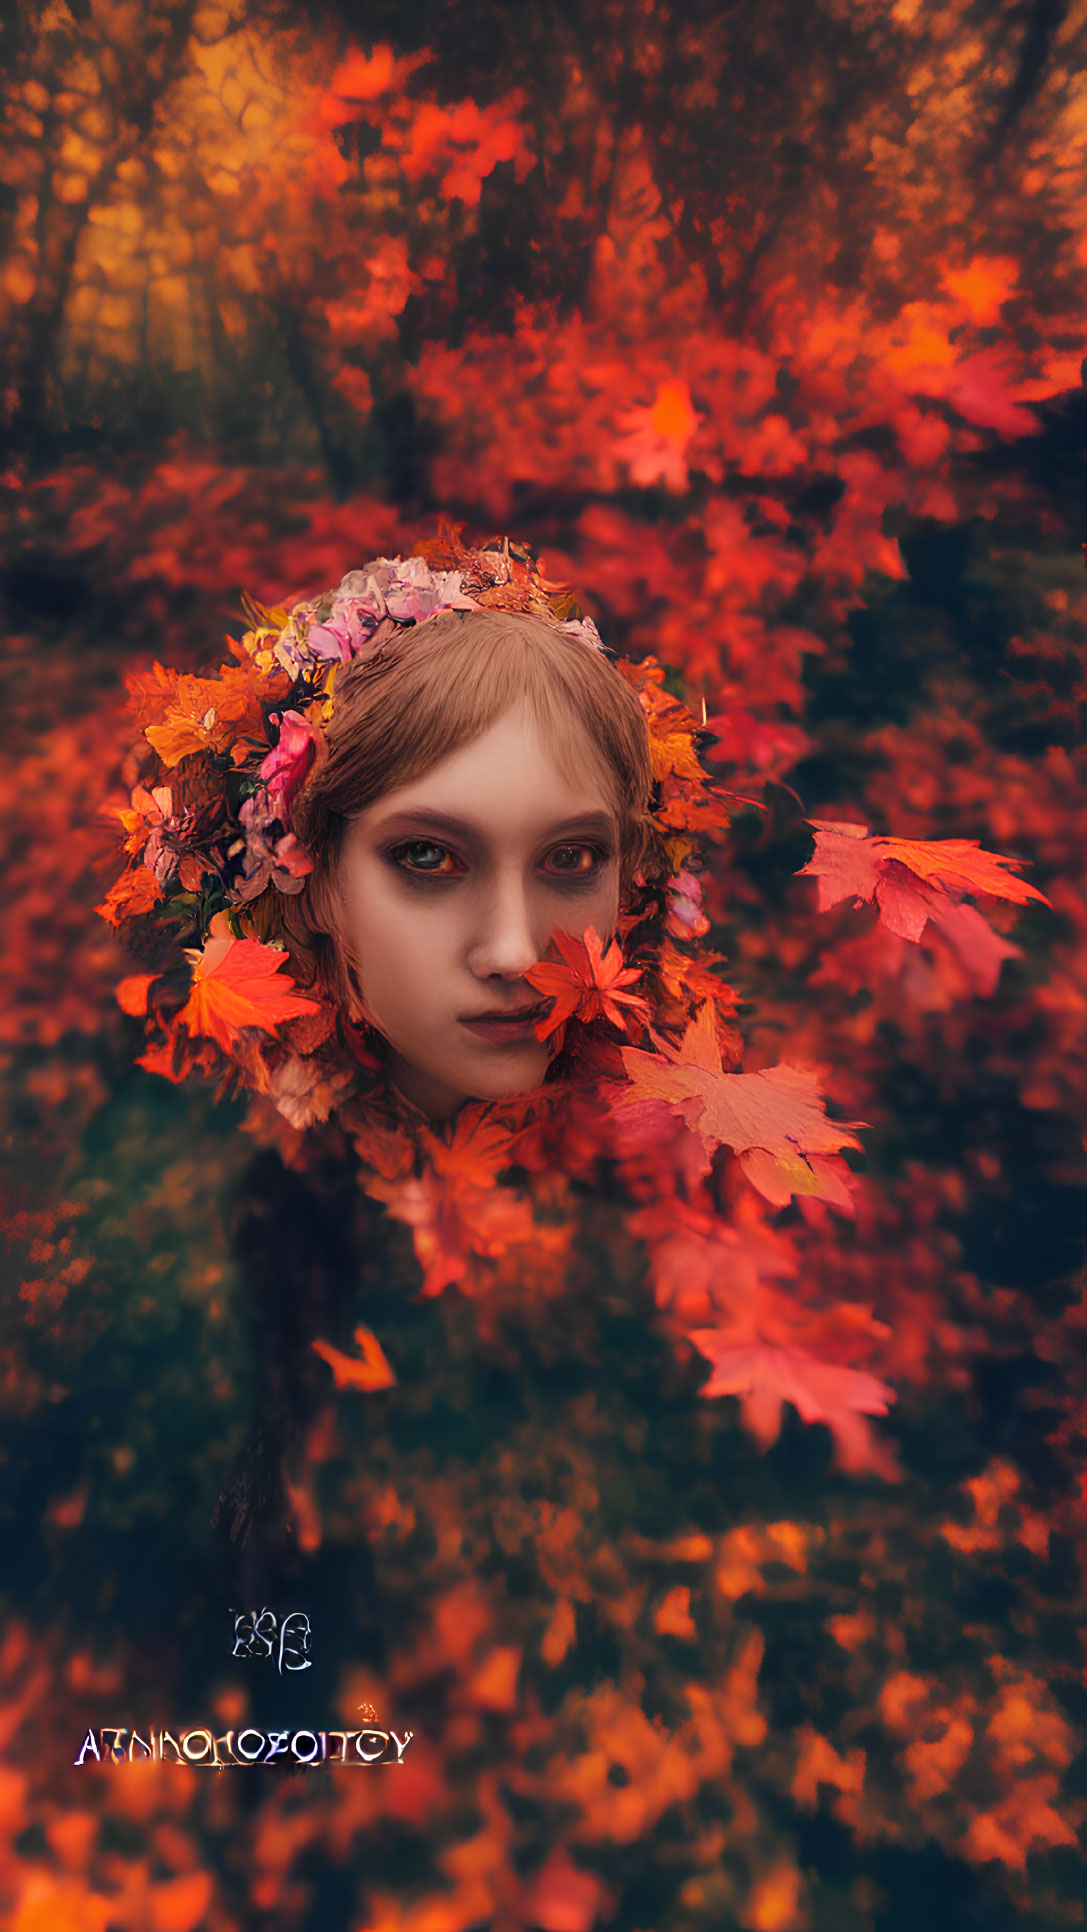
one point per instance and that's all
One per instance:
(479, 1145)
(453, 1219)
(764, 1376)
(588, 985)
(911, 880)
(237, 983)
(455, 1208)
(774, 1120)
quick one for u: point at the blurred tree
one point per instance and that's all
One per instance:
(241, 222)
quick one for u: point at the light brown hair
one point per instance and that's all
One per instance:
(440, 685)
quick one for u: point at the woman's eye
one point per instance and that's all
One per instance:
(423, 858)
(422, 855)
(579, 861)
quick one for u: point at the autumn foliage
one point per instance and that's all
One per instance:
(719, 1519)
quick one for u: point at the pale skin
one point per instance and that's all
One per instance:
(443, 918)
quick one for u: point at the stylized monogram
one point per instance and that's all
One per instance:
(263, 1633)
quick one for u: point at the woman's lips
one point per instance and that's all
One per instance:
(519, 1026)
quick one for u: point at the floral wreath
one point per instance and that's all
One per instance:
(212, 855)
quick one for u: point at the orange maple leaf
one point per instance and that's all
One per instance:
(911, 880)
(764, 1376)
(383, 1149)
(588, 985)
(237, 983)
(774, 1120)
(134, 893)
(373, 1371)
(672, 752)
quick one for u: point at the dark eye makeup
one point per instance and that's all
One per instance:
(442, 862)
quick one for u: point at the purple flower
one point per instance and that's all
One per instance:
(280, 862)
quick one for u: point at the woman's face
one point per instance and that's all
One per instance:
(452, 887)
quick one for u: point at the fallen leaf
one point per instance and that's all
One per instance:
(371, 1372)
(765, 1376)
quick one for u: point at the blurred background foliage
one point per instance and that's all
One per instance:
(764, 326)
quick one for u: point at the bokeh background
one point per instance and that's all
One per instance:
(764, 325)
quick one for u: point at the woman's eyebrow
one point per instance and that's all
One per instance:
(589, 821)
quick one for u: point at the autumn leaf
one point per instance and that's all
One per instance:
(765, 1376)
(774, 1120)
(457, 1211)
(427, 1208)
(176, 1058)
(587, 985)
(385, 1150)
(133, 894)
(980, 951)
(704, 1268)
(778, 1177)
(687, 979)
(132, 992)
(911, 880)
(563, 1898)
(370, 1372)
(237, 983)
(477, 1148)
(673, 754)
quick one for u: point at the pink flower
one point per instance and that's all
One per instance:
(417, 591)
(288, 762)
(685, 918)
(330, 642)
(366, 607)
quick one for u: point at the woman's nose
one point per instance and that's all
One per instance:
(506, 942)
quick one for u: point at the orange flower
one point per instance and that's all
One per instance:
(200, 714)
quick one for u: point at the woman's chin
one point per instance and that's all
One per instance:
(519, 1074)
(441, 1090)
